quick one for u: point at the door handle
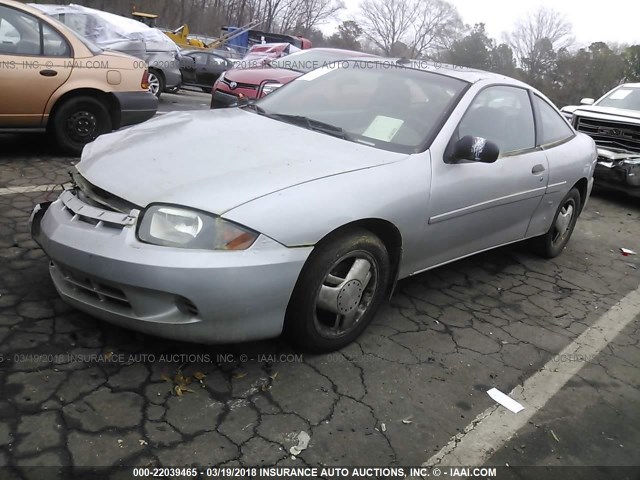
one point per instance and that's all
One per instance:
(48, 73)
(537, 169)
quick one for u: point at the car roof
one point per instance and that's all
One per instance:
(198, 50)
(349, 53)
(467, 74)
(23, 6)
(630, 85)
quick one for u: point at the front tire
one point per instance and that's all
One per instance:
(78, 121)
(338, 292)
(552, 243)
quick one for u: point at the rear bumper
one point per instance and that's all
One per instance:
(136, 107)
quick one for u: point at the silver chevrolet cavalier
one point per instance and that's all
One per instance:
(299, 212)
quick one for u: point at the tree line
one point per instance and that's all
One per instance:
(539, 50)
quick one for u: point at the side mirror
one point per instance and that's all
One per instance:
(587, 101)
(475, 149)
(243, 102)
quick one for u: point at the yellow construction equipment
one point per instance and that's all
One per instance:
(181, 36)
(149, 19)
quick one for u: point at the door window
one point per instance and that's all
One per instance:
(215, 60)
(200, 58)
(503, 115)
(20, 35)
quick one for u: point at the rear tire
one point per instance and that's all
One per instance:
(352, 271)
(78, 121)
(156, 82)
(552, 243)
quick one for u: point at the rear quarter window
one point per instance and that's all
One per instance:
(553, 128)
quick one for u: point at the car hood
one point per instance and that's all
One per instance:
(255, 76)
(631, 116)
(216, 160)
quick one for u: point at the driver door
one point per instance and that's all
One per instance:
(477, 206)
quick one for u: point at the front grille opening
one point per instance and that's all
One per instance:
(187, 307)
(97, 197)
(94, 289)
(248, 86)
(91, 221)
(609, 134)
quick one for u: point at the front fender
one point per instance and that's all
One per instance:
(304, 214)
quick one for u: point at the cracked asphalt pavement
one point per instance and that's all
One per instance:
(80, 392)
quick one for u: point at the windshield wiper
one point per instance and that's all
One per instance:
(312, 124)
(257, 108)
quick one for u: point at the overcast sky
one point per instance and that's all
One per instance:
(612, 21)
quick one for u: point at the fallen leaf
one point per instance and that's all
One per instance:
(199, 375)
(239, 375)
(180, 379)
(178, 390)
(164, 377)
(407, 420)
(142, 442)
(273, 375)
(383, 427)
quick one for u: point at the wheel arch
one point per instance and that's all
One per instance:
(386, 231)
(109, 100)
(583, 188)
(160, 73)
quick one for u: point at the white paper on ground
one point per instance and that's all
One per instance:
(505, 400)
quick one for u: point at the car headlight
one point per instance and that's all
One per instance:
(185, 228)
(268, 88)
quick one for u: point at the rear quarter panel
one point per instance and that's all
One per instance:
(106, 73)
(568, 164)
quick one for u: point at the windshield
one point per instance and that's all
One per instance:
(310, 60)
(627, 98)
(378, 104)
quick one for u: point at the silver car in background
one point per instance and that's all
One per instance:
(302, 210)
(126, 35)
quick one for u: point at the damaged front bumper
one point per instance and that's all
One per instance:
(618, 170)
(100, 267)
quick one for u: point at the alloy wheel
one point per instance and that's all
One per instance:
(346, 293)
(562, 224)
(154, 83)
